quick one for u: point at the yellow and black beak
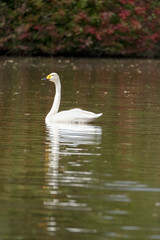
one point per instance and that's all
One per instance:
(47, 78)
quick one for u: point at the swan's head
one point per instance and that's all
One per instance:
(53, 77)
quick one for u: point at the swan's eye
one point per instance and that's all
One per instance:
(49, 76)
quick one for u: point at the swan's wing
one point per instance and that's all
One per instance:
(79, 113)
(75, 115)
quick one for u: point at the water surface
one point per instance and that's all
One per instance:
(97, 181)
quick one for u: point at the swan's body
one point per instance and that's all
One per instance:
(75, 115)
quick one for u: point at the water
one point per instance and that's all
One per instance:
(98, 181)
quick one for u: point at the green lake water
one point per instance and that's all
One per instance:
(82, 182)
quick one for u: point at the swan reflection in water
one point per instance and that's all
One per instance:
(66, 139)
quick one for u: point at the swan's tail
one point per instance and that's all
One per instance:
(94, 117)
(98, 115)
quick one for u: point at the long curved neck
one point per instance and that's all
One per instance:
(56, 102)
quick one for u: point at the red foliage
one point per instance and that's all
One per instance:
(131, 2)
(141, 10)
(117, 27)
(25, 36)
(93, 31)
(154, 37)
(122, 27)
(135, 24)
(105, 17)
(124, 14)
(38, 27)
(157, 11)
(81, 16)
(110, 30)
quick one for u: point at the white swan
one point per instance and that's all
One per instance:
(75, 115)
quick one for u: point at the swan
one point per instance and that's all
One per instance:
(75, 115)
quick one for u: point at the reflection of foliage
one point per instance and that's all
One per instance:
(90, 27)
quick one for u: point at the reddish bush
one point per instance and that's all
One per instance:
(90, 27)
